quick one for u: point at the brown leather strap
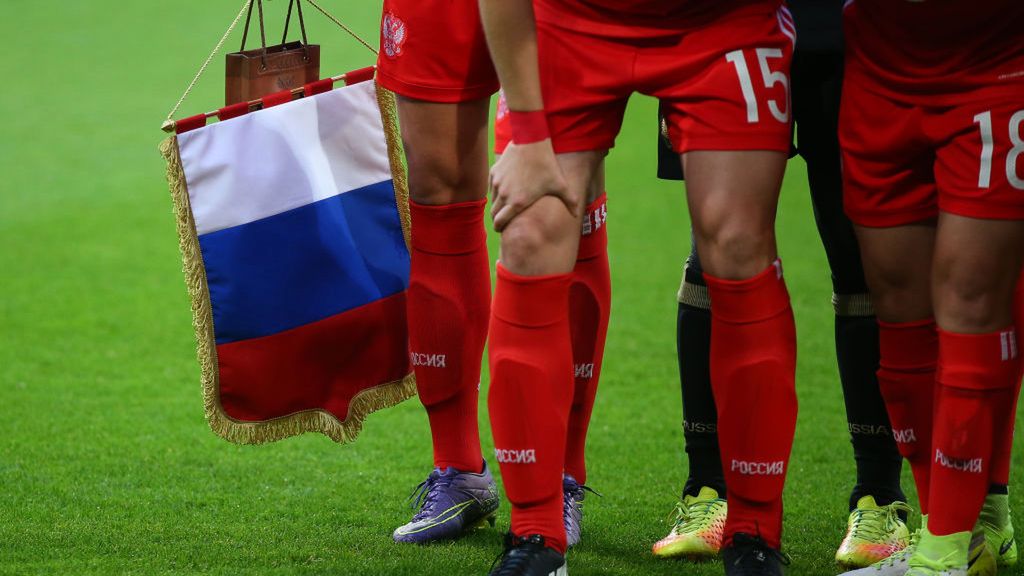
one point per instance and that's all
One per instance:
(263, 31)
(288, 20)
(245, 32)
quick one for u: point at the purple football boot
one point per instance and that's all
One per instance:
(450, 501)
(573, 494)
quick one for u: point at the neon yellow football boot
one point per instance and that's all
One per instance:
(981, 559)
(959, 554)
(873, 533)
(697, 530)
(896, 564)
(997, 525)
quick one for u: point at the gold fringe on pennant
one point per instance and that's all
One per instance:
(237, 431)
(396, 155)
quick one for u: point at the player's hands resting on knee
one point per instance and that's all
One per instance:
(524, 174)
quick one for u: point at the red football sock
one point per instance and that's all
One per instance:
(975, 386)
(1018, 311)
(531, 393)
(589, 307)
(449, 302)
(1018, 316)
(1004, 430)
(908, 354)
(753, 372)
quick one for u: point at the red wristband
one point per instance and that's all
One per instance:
(528, 127)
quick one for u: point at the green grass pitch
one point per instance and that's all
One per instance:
(106, 463)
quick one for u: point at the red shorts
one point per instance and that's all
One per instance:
(722, 86)
(905, 161)
(435, 50)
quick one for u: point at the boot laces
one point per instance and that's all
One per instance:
(901, 555)
(573, 497)
(876, 524)
(427, 493)
(690, 518)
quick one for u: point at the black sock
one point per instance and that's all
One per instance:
(878, 460)
(816, 91)
(700, 419)
(998, 489)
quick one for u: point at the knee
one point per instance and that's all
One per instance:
(900, 295)
(523, 239)
(901, 303)
(537, 243)
(737, 252)
(969, 304)
(437, 177)
(972, 300)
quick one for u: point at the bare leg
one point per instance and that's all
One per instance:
(898, 268)
(732, 198)
(446, 148)
(977, 264)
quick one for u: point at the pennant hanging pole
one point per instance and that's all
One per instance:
(170, 125)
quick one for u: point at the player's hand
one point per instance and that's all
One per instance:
(524, 174)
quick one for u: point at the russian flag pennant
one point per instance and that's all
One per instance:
(293, 224)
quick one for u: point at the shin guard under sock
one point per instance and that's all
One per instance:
(589, 308)
(975, 385)
(906, 376)
(700, 418)
(530, 397)
(753, 370)
(877, 458)
(449, 302)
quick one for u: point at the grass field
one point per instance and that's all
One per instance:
(106, 463)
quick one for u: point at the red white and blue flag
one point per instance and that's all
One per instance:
(294, 241)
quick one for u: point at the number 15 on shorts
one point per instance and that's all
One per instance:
(770, 78)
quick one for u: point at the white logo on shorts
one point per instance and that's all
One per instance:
(394, 35)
